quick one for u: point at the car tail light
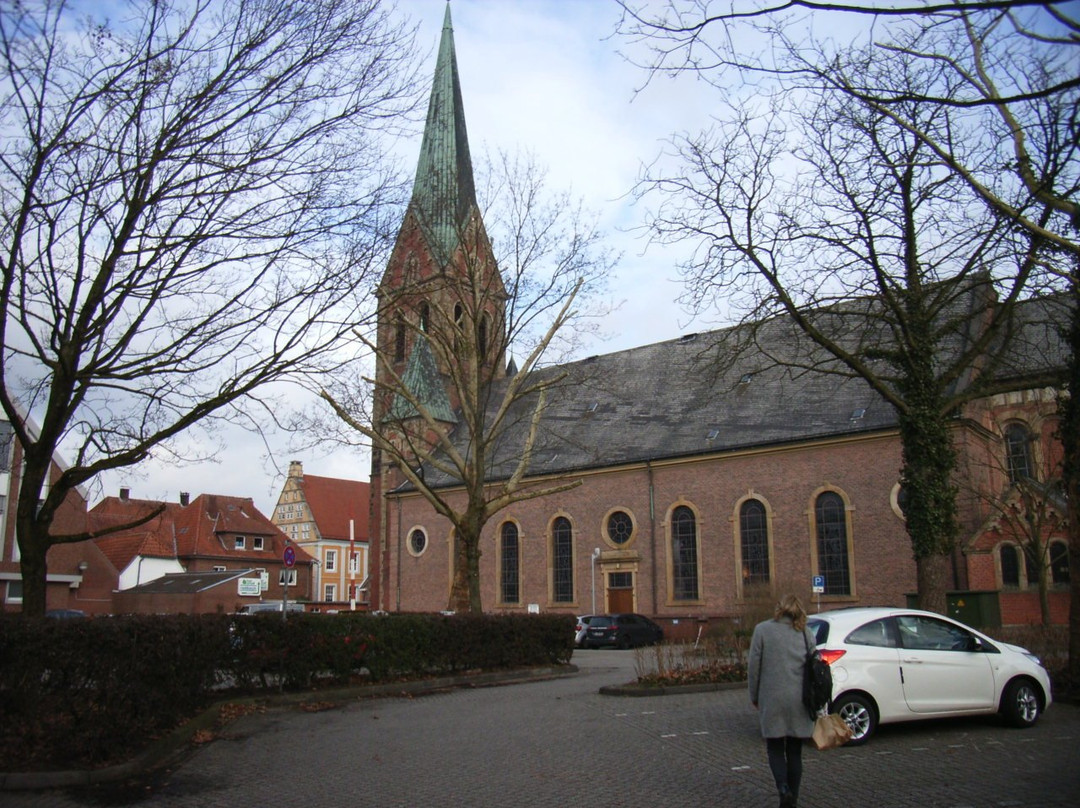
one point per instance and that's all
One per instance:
(831, 655)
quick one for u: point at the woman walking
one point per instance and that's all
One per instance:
(778, 654)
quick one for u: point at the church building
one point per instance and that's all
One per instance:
(706, 478)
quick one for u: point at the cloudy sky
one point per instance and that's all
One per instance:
(543, 76)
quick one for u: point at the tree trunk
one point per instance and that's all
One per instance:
(932, 572)
(930, 503)
(1070, 441)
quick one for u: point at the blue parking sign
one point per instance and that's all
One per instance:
(819, 584)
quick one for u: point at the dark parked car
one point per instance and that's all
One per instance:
(622, 631)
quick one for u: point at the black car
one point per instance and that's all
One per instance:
(621, 631)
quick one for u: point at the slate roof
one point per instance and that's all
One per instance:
(333, 502)
(204, 528)
(698, 395)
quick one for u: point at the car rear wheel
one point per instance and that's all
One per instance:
(1020, 705)
(623, 642)
(858, 713)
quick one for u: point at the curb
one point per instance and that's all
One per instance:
(178, 743)
(636, 690)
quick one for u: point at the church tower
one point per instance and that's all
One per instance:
(441, 301)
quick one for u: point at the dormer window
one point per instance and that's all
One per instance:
(257, 543)
(241, 543)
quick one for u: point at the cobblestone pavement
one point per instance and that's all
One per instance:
(560, 743)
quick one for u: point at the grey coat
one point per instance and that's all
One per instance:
(775, 674)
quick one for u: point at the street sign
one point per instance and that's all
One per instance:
(289, 557)
(249, 587)
(819, 584)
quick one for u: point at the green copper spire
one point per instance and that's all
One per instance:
(423, 380)
(443, 193)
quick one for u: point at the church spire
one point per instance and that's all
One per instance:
(444, 193)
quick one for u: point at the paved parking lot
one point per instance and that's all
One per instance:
(561, 743)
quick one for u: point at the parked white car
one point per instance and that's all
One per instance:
(892, 665)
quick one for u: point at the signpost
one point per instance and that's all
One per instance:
(818, 588)
(289, 559)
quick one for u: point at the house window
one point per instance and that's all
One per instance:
(832, 543)
(1018, 452)
(219, 568)
(257, 543)
(562, 560)
(241, 543)
(291, 577)
(754, 542)
(684, 554)
(1009, 555)
(509, 587)
(354, 562)
(1059, 562)
(330, 593)
(331, 560)
(14, 592)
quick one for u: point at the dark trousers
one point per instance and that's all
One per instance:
(785, 760)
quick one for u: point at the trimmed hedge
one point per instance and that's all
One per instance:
(85, 693)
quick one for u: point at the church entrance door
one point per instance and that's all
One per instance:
(620, 592)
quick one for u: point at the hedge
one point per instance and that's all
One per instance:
(85, 693)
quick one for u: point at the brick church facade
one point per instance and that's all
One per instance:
(706, 479)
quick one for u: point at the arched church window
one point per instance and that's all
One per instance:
(483, 338)
(754, 542)
(399, 341)
(509, 583)
(1009, 556)
(562, 560)
(684, 554)
(1018, 452)
(1059, 562)
(832, 543)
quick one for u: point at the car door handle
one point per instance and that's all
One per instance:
(912, 660)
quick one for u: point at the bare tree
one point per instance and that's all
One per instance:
(514, 295)
(830, 214)
(1005, 70)
(191, 195)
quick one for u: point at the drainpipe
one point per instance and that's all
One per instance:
(397, 583)
(652, 531)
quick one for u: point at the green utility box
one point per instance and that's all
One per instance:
(979, 609)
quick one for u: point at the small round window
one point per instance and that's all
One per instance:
(620, 527)
(417, 541)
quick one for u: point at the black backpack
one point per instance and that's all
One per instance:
(817, 682)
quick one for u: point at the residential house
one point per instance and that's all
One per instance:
(79, 577)
(201, 555)
(328, 518)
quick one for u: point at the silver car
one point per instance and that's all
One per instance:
(892, 665)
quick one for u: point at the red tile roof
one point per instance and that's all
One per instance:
(334, 502)
(206, 528)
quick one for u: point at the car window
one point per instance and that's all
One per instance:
(600, 622)
(875, 633)
(627, 620)
(820, 629)
(928, 634)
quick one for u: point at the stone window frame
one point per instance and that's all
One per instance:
(409, 544)
(815, 539)
(737, 541)
(556, 518)
(669, 539)
(605, 528)
(500, 559)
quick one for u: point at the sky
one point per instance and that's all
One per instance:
(542, 76)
